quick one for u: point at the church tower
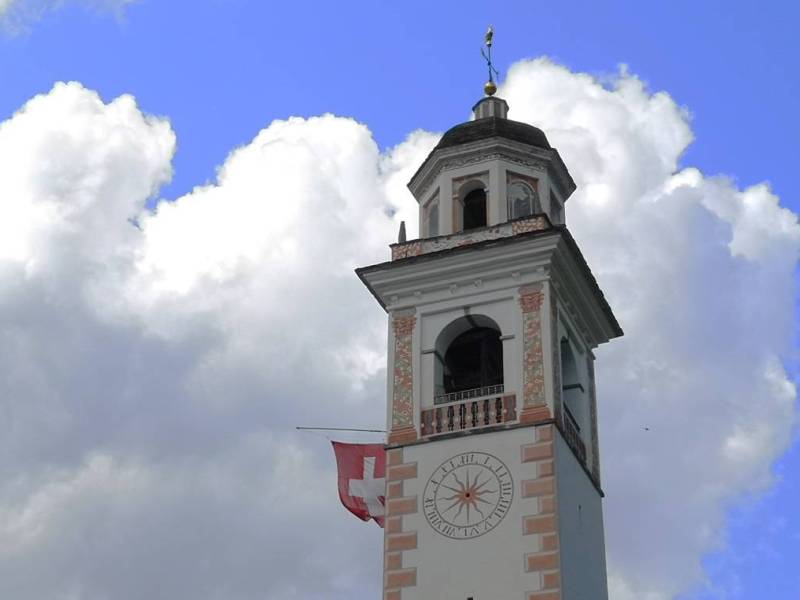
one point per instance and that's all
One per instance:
(493, 481)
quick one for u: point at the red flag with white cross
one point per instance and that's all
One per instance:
(362, 479)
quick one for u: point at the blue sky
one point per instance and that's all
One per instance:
(225, 68)
(221, 70)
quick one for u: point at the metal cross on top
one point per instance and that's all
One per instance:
(490, 88)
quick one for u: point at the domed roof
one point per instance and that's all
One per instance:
(489, 127)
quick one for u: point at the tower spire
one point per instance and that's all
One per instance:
(489, 88)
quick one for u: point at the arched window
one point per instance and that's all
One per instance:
(523, 200)
(475, 209)
(469, 354)
(474, 360)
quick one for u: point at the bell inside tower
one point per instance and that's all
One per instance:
(469, 354)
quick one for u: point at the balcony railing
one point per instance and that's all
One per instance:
(572, 434)
(490, 390)
(467, 415)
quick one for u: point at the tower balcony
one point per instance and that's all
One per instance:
(572, 435)
(468, 411)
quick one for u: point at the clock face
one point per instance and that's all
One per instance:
(468, 495)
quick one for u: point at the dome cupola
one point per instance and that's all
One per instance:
(489, 171)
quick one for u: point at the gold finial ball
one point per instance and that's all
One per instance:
(490, 88)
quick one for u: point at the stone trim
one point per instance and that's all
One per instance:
(401, 579)
(403, 435)
(394, 561)
(393, 524)
(533, 398)
(458, 239)
(401, 541)
(394, 489)
(541, 525)
(406, 505)
(534, 452)
(403, 471)
(398, 575)
(403, 380)
(394, 456)
(535, 414)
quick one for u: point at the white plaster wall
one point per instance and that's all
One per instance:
(580, 522)
(489, 567)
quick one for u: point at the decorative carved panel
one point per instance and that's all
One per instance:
(402, 394)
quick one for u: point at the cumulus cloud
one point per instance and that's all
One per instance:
(700, 274)
(153, 363)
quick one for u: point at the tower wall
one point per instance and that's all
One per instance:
(517, 558)
(491, 395)
(580, 529)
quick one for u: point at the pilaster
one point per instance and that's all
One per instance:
(534, 404)
(402, 421)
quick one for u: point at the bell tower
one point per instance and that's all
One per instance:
(493, 481)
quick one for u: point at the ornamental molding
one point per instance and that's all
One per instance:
(530, 301)
(402, 250)
(403, 372)
(451, 274)
(497, 149)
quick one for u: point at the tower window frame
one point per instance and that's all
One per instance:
(468, 190)
(469, 343)
(520, 191)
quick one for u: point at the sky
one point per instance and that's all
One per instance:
(186, 189)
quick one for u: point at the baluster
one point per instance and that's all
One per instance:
(428, 423)
(498, 407)
(438, 420)
(462, 416)
(487, 414)
(450, 418)
(474, 411)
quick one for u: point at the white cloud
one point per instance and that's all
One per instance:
(5, 5)
(701, 277)
(149, 374)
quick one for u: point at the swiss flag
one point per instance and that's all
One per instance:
(362, 479)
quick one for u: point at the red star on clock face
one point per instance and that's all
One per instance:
(468, 495)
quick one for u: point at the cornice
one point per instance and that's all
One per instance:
(494, 265)
(496, 148)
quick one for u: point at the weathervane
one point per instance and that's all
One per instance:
(490, 88)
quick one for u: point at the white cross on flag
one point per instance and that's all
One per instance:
(362, 479)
